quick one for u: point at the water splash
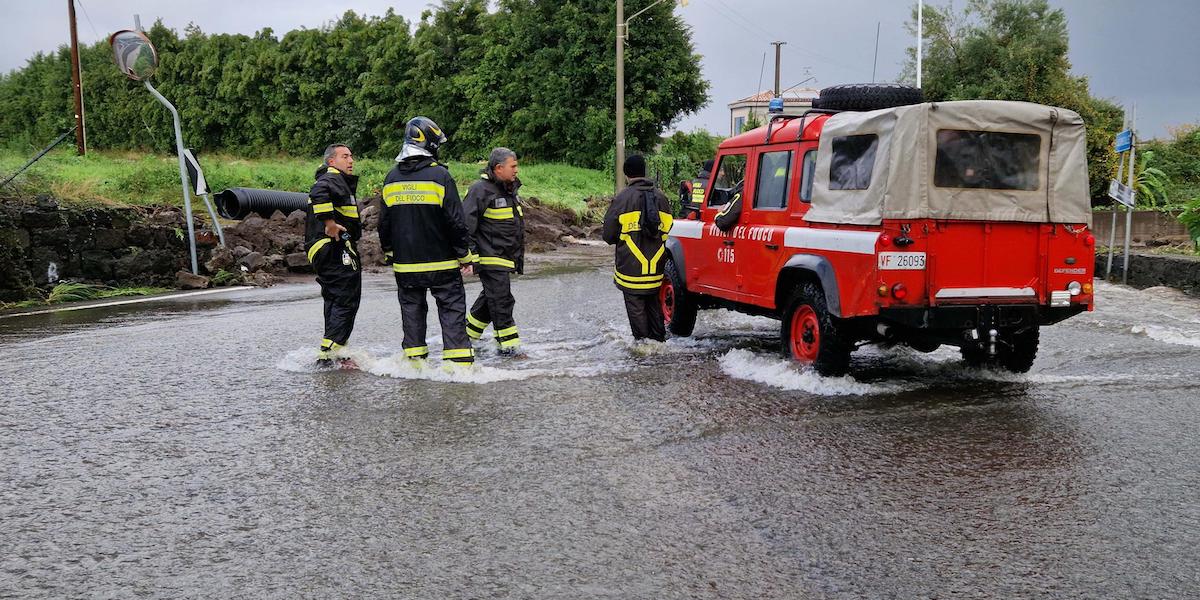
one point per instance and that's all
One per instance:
(1168, 335)
(52, 273)
(787, 375)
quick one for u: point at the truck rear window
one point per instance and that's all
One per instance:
(987, 160)
(852, 162)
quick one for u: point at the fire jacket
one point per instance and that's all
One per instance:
(332, 196)
(729, 214)
(421, 227)
(496, 222)
(637, 222)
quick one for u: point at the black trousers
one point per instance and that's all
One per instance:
(645, 316)
(340, 276)
(494, 306)
(451, 301)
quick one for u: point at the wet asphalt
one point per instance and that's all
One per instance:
(191, 448)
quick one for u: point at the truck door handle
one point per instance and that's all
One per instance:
(772, 246)
(728, 242)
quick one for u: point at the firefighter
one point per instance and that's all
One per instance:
(699, 184)
(496, 223)
(637, 223)
(729, 214)
(424, 236)
(331, 232)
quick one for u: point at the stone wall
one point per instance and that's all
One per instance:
(42, 243)
(1150, 270)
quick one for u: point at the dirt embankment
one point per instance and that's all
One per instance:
(264, 249)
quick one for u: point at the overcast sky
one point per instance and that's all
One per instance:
(1142, 52)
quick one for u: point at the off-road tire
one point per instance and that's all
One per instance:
(1015, 352)
(806, 314)
(681, 315)
(1019, 353)
(867, 96)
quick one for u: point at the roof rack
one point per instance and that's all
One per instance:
(771, 123)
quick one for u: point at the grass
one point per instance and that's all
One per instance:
(69, 291)
(140, 178)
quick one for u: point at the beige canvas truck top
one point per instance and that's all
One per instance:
(979, 160)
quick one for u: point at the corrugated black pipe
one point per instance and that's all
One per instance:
(238, 203)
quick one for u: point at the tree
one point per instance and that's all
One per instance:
(1013, 50)
(535, 75)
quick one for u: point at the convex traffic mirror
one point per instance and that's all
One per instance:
(134, 53)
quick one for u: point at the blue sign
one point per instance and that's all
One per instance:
(1124, 141)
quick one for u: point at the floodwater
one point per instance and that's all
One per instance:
(190, 448)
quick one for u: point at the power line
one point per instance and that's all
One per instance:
(88, 17)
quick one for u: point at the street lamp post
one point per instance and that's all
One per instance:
(622, 35)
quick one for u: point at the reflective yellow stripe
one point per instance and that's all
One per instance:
(637, 278)
(641, 258)
(413, 192)
(312, 252)
(458, 353)
(476, 322)
(323, 207)
(507, 332)
(638, 286)
(520, 210)
(496, 261)
(416, 352)
(444, 265)
(666, 220)
(349, 211)
(510, 343)
(657, 257)
(498, 214)
(630, 221)
(333, 170)
(471, 257)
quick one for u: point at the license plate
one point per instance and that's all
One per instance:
(901, 261)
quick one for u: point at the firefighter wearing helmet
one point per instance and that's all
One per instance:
(423, 234)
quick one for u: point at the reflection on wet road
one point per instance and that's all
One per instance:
(192, 449)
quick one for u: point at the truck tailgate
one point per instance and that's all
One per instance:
(999, 262)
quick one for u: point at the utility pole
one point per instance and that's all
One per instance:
(876, 62)
(920, 36)
(620, 183)
(79, 144)
(778, 47)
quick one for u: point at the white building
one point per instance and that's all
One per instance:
(795, 102)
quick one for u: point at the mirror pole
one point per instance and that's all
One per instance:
(183, 178)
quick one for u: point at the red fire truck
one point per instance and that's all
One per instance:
(959, 223)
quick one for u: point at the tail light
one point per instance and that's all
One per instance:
(885, 240)
(1089, 240)
(899, 292)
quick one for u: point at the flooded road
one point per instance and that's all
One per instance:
(191, 448)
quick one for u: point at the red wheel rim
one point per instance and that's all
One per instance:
(666, 297)
(805, 334)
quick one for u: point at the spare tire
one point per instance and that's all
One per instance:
(867, 96)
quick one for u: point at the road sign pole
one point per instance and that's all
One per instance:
(1112, 231)
(1129, 208)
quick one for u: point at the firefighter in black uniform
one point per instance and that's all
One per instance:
(496, 222)
(331, 232)
(423, 234)
(699, 184)
(637, 222)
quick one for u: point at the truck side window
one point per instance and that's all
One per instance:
(774, 174)
(987, 160)
(852, 162)
(730, 172)
(806, 175)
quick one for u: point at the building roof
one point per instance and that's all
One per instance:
(792, 96)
